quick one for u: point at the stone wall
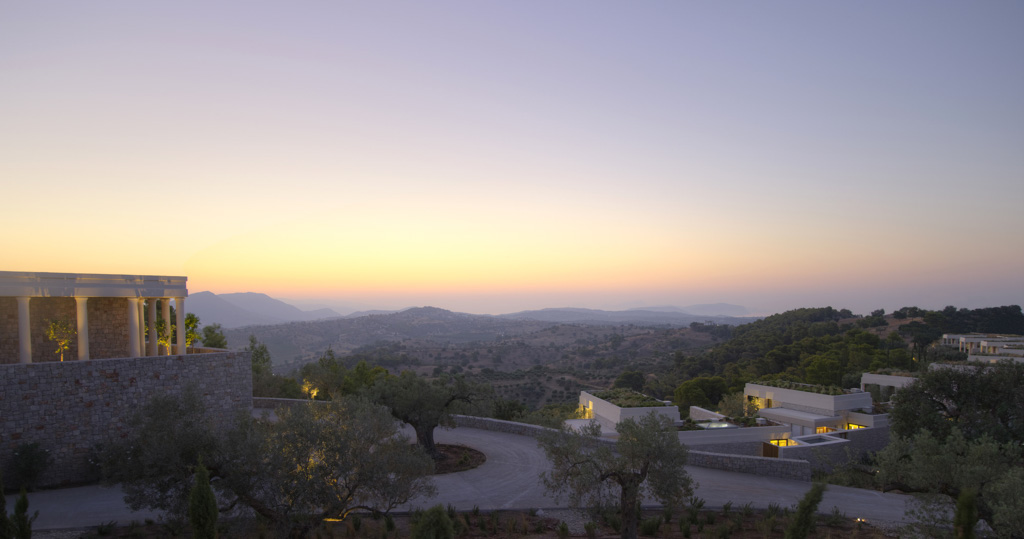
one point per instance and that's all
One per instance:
(108, 327)
(799, 470)
(9, 349)
(69, 408)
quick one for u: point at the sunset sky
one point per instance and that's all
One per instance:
(491, 157)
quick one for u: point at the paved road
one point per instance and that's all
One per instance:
(508, 480)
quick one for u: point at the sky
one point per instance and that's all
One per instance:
(492, 157)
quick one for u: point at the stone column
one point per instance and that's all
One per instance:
(179, 311)
(152, 328)
(83, 327)
(24, 331)
(133, 327)
(165, 306)
(142, 329)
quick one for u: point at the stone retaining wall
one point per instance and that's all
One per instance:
(799, 470)
(69, 408)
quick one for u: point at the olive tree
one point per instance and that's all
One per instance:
(316, 461)
(424, 405)
(324, 460)
(647, 460)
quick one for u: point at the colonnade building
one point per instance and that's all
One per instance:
(107, 312)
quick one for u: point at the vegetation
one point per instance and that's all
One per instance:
(434, 523)
(810, 388)
(62, 333)
(648, 460)
(21, 523)
(422, 404)
(29, 463)
(5, 522)
(202, 506)
(803, 521)
(956, 430)
(627, 398)
(293, 473)
(213, 336)
(264, 382)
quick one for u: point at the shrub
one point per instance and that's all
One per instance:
(30, 461)
(562, 530)
(803, 522)
(966, 516)
(591, 529)
(202, 506)
(650, 526)
(21, 523)
(433, 524)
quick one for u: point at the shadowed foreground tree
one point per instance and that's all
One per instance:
(424, 405)
(319, 460)
(324, 460)
(647, 460)
(961, 429)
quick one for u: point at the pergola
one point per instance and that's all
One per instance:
(32, 290)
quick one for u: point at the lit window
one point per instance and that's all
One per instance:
(852, 426)
(784, 442)
(823, 430)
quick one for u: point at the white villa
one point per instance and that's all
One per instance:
(809, 409)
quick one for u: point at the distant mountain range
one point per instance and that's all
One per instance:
(663, 317)
(248, 309)
(254, 309)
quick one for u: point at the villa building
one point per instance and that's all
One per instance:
(105, 310)
(810, 409)
(987, 348)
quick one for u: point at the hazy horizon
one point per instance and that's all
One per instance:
(498, 157)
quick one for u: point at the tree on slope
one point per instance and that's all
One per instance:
(647, 460)
(424, 405)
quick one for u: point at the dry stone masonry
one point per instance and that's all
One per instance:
(69, 408)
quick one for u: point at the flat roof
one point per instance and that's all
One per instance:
(90, 285)
(796, 417)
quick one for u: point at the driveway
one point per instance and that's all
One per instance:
(508, 480)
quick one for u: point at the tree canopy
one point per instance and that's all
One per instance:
(961, 429)
(424, 405)
(316, 461)
(647, 460)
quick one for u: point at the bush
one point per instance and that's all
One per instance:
(562, 530)
(30, 461)
(591, 529)
(202, 506)
(433, 524)
(650, 526)
(803, 522)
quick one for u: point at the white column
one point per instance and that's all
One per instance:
(152, 328)
(165, 306)
(24, 331)
(142, 330)
(179, 311)
(133, 327)
(83, 327)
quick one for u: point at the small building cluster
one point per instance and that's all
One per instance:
(987, 347)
